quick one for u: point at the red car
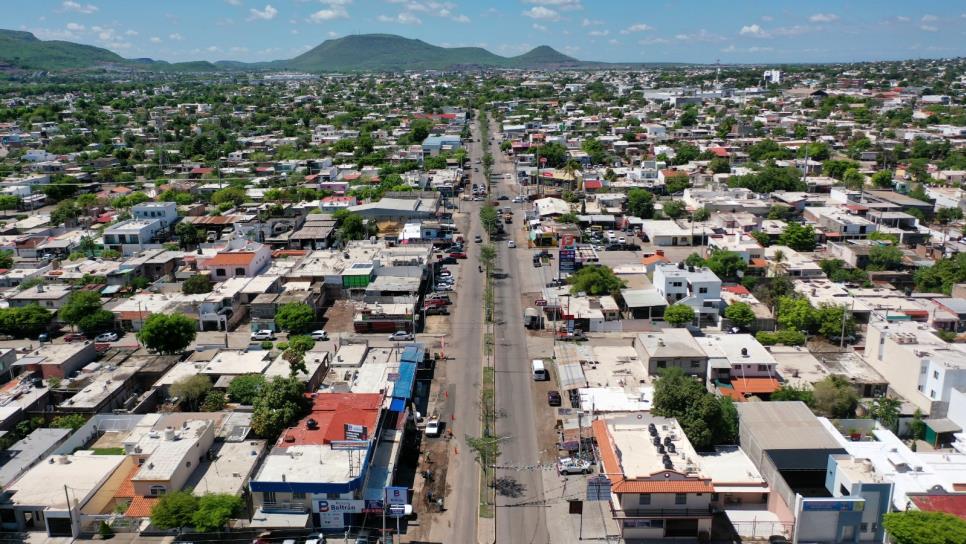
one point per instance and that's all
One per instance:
(74, 337)
(458, 255)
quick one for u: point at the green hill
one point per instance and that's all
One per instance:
(24, 50)
(380, 52)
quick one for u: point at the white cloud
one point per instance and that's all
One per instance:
(795, 30)
(74, 27)
(902, 19)
(130, 32)
(701, 35)
(334, 11)
(638, 27)
(824, 18)
(542, 13)
(927, 18)
(77, 7)
(460, 18)
(565, 5)
(155, 39)
(613, 41)
(539, 27)
(237, 49)
(266, 14)
(754, 31)
(767, 18)
(599, 33)
(591, 22)
(175, 37)
(653, 41)
(928, 28)
(234, 2)
(213, 49)
(403, 18)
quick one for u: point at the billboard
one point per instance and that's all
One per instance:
(397, 495)
(338, 506)
(355, 432)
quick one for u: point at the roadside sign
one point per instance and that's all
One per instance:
(598, 489)
(540, 302)
(397, 495)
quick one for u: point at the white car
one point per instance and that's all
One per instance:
(622, 240)
(569, 465)
(263, 334)
(401, 336)
(106, 337)
(319, 335)
(432, 427)
(511, 244)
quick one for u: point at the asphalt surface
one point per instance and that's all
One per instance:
(464, 347)
(518, 519)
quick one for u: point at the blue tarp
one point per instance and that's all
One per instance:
(413, 353)
(403, 388)
(397, 405)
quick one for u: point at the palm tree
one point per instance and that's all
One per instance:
(778, 257)
(570, 170)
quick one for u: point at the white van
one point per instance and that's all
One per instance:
(539, 371)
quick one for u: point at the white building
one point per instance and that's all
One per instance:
(697, 287)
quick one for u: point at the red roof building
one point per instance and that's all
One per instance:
(330, 414)
(949, 503)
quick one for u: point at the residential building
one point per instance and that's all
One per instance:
(669, 348)
(697, 287)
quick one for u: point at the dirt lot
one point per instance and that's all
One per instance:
(338, 317)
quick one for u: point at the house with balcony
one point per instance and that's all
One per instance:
(694, 286)
(657, 489)
(133, 236)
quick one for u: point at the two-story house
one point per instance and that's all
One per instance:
(697, 287)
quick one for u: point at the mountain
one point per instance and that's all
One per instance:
(357, 53)
(24, 50)
(387, 52)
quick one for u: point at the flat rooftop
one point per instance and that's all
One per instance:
(729, 466)
(230, 469)
(783, 425)
(798, 367)
(42, 485)
(639, 457)
(236, 363)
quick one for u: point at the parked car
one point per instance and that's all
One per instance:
(432, 427)
(569, 465)
(401, 336)
(319, 335)
(553, 398)
(478, 239)
(445, 273)
(263, 334)
(445, 287)
(449, 259)
(439, 297)
(556, 283)
(74, 337)
(503, 197)
(459, 255)
(511, 244)
(106, 337)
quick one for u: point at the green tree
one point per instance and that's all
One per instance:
(65, 213)
(168, 334)
(196, 285)
(191, 390)
(279, 403)
(214, 510)
(853, 179)
(9, 202)
(295, 317)
(828, 319)
(884, 258)
(787, 337)
(917, 427)
(489, 219)
(798, 237)
(795, 313)
(835, 397)
(640, 203)
(916, 527)
(26, 322)
(174, 510)
(488, 256)
(791, 393)
(726, 264)
(673, 209)
(79, 305)
(96, 323)
(232, 196)
(298, 346)
(886, 410)
(188, 235)
(6, 258)
(836, 168)
(245, 389)
(69, 421)
(214, 401)
(679, 314)
(882, 179)
(595, 280)
(720, 165)
(705, 419)
(740, 314)
(944, 216)
(353, 227)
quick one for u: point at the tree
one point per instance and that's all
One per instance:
(853, 179)
(726, 264)
(702, 214)
(489, 219)
(916, 527)
(705, 419)
(188, 235)
(79, 305)
(6, 258)
(298, 346)
(295, 317)
(595, 280)
(87, 245)
(488, 256)
(9, 202)
(676, 183)
(673, 209)
(168, 334)
(787, 337)
(829, 319)
(279, 403)
(191, 390)
(917, 427)
(556, 155)
(96, 323)
(770, 179)
(836, 168)
(25, 322)
(353, 227)
(791, 393)
(679, 314)
(70, 421)
(65, 213)
(835, 397)
(719, 165)
(887, 411)
(232, 196)
(196, 285)
(884, 258)
(798, 237)
(944, 216)
(882, 179)
(740, 314)
(640, 203)
(214, 510)
(245, 389)
(795, 313)
(174, 510)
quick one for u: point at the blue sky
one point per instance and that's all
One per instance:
(606, 30)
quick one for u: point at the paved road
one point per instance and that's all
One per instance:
(518, 519)
(464, 346)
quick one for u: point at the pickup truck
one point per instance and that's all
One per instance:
(569, 465)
